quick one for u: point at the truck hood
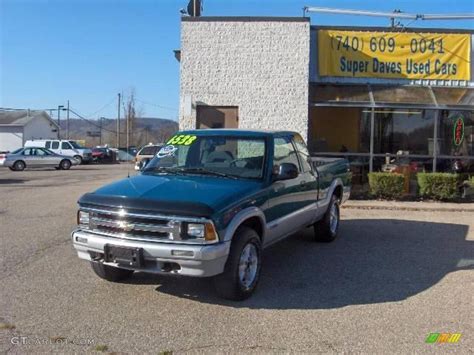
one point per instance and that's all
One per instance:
(190, 194)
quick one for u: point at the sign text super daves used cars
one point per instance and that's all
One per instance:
(396, 55)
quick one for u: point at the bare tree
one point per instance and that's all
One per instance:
(131, 113)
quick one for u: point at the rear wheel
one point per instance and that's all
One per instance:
(110, 273)
(65, 164)
(326, 229)
(242, 269)
(19, 165)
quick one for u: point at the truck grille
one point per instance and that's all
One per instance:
(134, 226)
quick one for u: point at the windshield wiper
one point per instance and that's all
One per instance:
(207, 172)
(162, 169)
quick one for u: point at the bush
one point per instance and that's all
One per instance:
(386, 185)
(439, 186)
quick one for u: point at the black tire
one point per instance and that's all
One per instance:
(229, 284)
(78, 158)
(19, 165)
(65, 164)
(110, 273)
(325, 230)
(11, 168)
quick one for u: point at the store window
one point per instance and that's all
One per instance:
(339, 130)
(407, 132)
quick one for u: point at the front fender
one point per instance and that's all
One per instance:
(240, 217)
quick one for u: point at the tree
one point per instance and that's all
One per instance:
(131, 112)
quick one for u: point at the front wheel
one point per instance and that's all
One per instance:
(78, 158)
(326, 229)
(110, 273)
(242, 269)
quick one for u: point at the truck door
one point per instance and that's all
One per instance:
(287, 198)
(55, 147)
(66, 149)
(309, 176)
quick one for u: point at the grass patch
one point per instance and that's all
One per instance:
(7, 326)
(100, 347)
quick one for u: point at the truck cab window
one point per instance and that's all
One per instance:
(302, 152)
(285, 152)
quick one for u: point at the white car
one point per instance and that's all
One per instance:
(68, 148)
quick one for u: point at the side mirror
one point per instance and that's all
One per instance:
(285, 171)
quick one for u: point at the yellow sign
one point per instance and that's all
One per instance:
(394, 55)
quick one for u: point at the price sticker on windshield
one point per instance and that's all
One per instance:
(182, 139)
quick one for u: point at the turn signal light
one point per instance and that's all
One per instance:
(210, 232)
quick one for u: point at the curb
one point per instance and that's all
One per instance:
(407, 208)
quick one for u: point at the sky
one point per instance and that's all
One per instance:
(87, 51)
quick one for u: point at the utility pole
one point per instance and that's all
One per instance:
(60, 107)
(100, 127)
(67, 126)
(118, 121)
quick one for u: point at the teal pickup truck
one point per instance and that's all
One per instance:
(207, 205)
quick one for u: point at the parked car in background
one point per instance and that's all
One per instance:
(68, 148)
(126, 154)
(36, 157)
(103, 155)
(145, 154)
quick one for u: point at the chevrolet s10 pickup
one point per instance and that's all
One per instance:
(207, 204)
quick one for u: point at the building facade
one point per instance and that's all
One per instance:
(16, 127)
(388, 99)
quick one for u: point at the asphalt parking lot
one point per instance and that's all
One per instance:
(390, 279)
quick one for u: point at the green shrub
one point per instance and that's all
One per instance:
(386, 185)
(439, 186)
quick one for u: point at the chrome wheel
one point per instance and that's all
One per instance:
(248, 265)
(333, 218)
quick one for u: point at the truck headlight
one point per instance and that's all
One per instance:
(83, 218)
(204, 231)
(196, 230)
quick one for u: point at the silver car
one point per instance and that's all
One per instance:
(34, 157)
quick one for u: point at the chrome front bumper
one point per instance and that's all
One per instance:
(206, 260)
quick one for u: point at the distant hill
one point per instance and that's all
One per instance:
(145, 130)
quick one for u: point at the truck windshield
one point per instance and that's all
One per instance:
(75, 145)
(232, 157)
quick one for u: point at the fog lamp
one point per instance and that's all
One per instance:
(182, 252)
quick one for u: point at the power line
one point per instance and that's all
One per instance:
(156, 105)
(89, 121)
(103, 107)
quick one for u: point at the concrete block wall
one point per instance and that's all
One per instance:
(261, 66)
